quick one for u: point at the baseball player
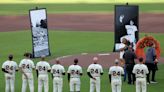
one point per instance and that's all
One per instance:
(26, 67)
(42, 69)
(74, 73)
(9, 67)
(115, 73)
(94, 71)
(131, 29)
(57, 73)
(140, 70)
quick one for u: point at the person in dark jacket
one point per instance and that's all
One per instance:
(151, 62)
(129, 57)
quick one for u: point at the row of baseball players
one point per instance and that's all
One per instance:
(74, 72)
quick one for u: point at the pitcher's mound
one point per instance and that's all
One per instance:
(85, 59)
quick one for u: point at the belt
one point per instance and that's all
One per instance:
(140, 77)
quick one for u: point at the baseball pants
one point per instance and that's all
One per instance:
(116, 85)
(43, 80)
(75, 85)
(30, 82)
(95, 84)
(57, 84)
(10, 83)
(141, 85)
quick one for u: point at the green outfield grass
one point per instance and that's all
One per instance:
(69, 42)
(16, 9)
(79, 1)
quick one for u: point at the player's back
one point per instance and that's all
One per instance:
(75, 71)
(27, 65)
(95, 70)
(116, 72)
(140, 70)
(57, 70)
(43, 67)
(10, 66)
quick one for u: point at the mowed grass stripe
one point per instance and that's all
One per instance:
(17, 9)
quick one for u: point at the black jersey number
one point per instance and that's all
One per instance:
(114, 73)
(75, 72)
(140, 71)
(94, 71)
(24, 66)
(9, 67)
(42, 68)
(56, 71)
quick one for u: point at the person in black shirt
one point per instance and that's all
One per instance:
(129, 57)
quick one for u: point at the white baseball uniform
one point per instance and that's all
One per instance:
(43, 68)
(74, 71)
(131, 29)
(140, 71)
(57, 71)
(116, 83)
(95, 71)
(27, 67)
(11, 67)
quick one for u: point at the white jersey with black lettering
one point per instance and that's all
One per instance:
(43, 67)
(27, 65)
(74, 71)
(140, 70)
(116, 72)
(95, 70)
(10, 66)
(57, 70)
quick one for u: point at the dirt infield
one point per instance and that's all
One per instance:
(85, 59)
(82, 22)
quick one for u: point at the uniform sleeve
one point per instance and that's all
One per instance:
(52, 69)
(101, 69)
(3, 65)
(68, 70)
(81, 70)
(122, 70)
(109, 71)
(88, 70)
(146, 69)
(49, 67)
(16, 66)
(63, 70)
(36, 66)
(33, 66)
(134, 70)
(20, 64)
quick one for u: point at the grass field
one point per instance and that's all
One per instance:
(79, 1)
(72, 42)
(18, 9)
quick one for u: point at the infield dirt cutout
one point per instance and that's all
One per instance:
(85, 59)
(102, 22)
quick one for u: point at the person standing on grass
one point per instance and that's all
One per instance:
(140, 70)
(26, 67)
(9, 67)
(129, 57)
(151, 62)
